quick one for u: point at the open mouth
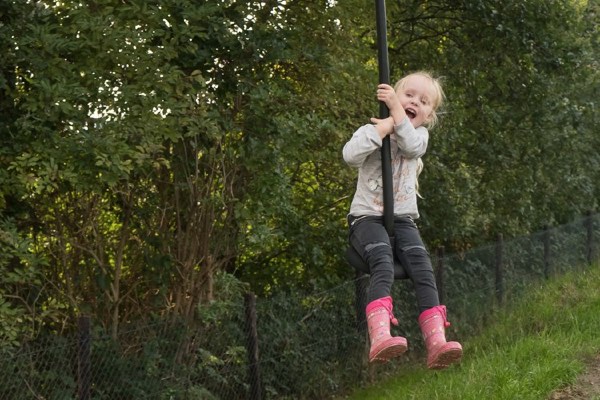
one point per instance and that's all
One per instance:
(410, 113)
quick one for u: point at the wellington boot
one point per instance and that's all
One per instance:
(440, 354)
(383, 346)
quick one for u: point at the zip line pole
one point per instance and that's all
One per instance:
(353, 257)
(384, 112)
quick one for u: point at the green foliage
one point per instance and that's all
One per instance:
(41, 367)
(21, 280)
(320, 323)
(309, 344)
(164, 359)
(510, 153)
(532, 348)
(147, 145)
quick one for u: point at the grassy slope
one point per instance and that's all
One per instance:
(539, 344)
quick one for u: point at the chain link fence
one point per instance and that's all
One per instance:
(290, 346)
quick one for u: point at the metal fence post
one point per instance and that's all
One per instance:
(252, 348)
(589, 224)
(84, 347)
(546, 239)
(361, 284)
(500, 269)
(439, 274)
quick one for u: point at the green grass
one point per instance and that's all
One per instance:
(534, 347)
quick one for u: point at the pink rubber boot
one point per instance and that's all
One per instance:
(383, 346)
(440, 354)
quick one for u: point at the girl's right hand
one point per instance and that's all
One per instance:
(384, 126)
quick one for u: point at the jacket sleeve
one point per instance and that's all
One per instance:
(363, 142)
(412, 142)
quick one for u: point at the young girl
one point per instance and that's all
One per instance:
(412, 104)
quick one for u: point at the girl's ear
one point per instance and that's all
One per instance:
(431, 120)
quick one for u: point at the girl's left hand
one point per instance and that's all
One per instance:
(388, 95)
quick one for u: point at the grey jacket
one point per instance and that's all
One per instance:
(363, 151)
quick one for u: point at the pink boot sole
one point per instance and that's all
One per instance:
(448, 354)
(393, 347)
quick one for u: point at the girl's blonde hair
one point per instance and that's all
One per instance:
(436, 102)
(420, 167)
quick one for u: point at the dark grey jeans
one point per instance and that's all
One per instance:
(370, 239)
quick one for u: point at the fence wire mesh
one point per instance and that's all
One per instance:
(303, 346)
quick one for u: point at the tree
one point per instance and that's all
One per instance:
(147, 145)
(498, 159)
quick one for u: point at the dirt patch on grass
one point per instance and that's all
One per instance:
(587, 386)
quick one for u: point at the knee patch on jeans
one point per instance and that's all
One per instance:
(373, 245)
(416, 253)
(415, 249)
(378, 252)
(417, 260)
(381, 263)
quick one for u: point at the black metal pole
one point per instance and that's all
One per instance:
(384, 112)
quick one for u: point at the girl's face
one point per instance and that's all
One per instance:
(417, 97)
